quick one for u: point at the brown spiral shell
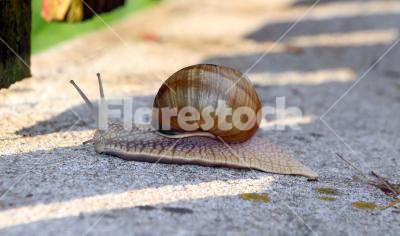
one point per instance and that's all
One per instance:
(203, 85)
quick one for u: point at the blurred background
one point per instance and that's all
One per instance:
(47, 32)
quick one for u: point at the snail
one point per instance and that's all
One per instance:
(199, 86)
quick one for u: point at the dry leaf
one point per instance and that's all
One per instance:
(382, 183)
(392, 204)
(147, 36)
(385, 185)
(294, 49)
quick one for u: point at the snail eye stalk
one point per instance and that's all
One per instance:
(94, 111)
(100, 86)
(83, 95)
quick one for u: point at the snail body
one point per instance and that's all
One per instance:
(148, 146)
(199, 86)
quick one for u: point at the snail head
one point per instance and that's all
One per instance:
(98, 137)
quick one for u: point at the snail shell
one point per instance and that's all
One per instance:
(245, 151)
(204, 85)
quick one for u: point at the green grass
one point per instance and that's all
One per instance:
(45, 34)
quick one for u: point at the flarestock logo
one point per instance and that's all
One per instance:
(190, 118)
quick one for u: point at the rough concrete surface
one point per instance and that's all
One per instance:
(68, 187)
